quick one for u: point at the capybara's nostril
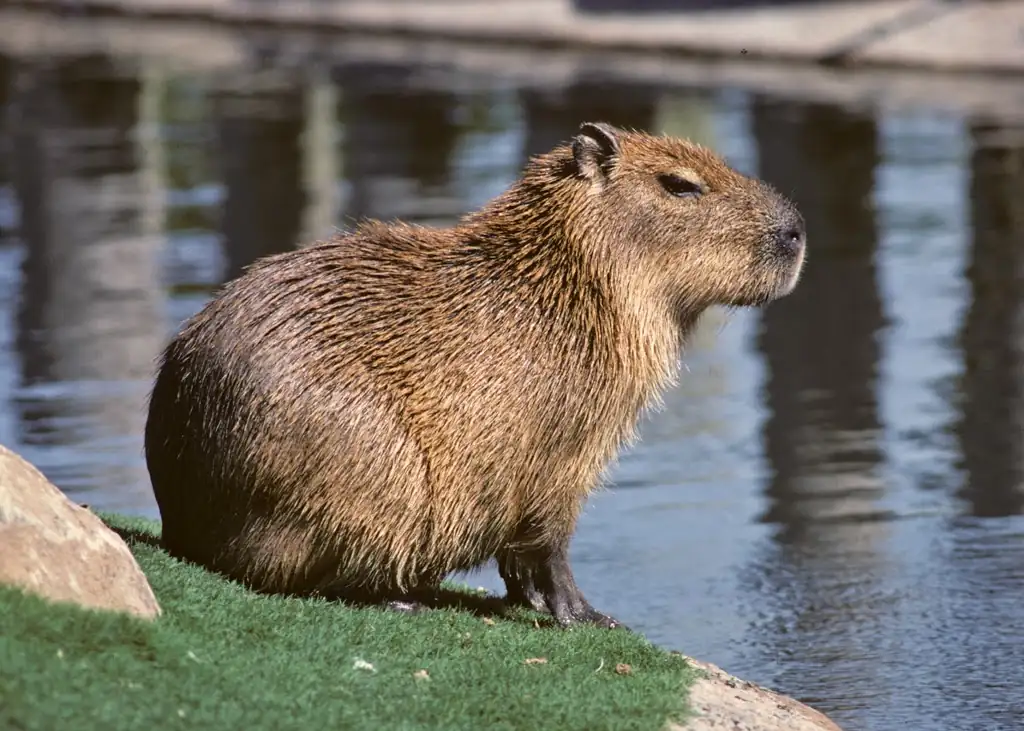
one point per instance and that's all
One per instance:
(791, 239)
(790, 231)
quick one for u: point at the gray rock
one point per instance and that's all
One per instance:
(722, 701)
(56, 549)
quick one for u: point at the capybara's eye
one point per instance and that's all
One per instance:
(680, 187)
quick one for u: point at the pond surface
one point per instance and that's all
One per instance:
(830, 503)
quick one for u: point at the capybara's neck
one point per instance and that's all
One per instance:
(547, 231)
(546, 238)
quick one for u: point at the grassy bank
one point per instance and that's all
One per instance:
(226, 658)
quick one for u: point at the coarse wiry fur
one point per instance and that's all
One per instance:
(375, 411)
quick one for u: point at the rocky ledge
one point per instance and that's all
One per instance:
(723, 701)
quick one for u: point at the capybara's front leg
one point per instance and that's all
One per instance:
(561, 595)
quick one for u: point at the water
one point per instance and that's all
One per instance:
(830, 503)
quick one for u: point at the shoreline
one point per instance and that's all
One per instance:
(183, 45)
(973, 37)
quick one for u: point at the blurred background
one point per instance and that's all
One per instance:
(832, 501)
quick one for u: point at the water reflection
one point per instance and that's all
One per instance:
(89, 323)
(6, 84)
(981, 577)
(821, 343)
(552, 116)
(399, 143)
(992, 336)
(822, 429)
(259, 130)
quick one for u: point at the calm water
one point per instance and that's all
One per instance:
(831, 503)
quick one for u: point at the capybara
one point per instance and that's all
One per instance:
(363, 416)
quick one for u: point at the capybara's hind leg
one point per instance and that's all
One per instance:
(518, 572)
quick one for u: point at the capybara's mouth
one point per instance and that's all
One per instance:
(790, 279)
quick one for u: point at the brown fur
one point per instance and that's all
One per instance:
(400, 402)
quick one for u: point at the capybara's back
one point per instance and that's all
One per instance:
(368, 414)
(289, 436)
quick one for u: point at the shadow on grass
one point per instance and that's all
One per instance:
(452, 599)
(455, 598)
(463, 600)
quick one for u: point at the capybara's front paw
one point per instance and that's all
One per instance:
(586, 614)
(604, 620)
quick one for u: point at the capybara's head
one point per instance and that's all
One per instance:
(703, 233)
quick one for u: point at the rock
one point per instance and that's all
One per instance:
(52, 547)
(722, 701)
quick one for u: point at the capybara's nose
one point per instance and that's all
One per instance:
(791, 235)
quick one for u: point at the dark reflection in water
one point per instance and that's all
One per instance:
(551, 117)
(991, 431)
(890, 603)
(259, 133)
(88, 324)
(398, 146)
(978, 622)
(69, 129)
(821, 343)
(6, 84)
(821, 434)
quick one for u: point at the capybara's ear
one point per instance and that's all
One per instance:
(595, 149)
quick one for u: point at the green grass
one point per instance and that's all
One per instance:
(226, 658)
